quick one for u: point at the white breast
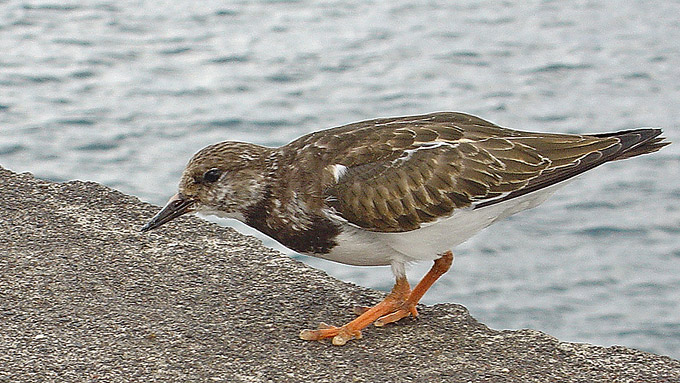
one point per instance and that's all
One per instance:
(360, 248)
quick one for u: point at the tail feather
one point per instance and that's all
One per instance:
(631, 143)
(636, 142)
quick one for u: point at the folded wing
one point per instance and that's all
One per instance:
(409, 171)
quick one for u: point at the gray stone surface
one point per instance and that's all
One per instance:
(86, 297)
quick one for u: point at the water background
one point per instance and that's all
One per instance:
(124, 92)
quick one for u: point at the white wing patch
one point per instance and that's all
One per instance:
(338, 171)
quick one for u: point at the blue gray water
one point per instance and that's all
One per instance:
(124, 92)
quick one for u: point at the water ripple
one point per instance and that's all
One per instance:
(611, 231)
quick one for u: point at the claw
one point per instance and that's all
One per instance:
(308, 335)
(344, 336)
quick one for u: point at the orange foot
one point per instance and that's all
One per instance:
(389, 307)
(398, 304)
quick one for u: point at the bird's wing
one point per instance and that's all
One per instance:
(395, 174)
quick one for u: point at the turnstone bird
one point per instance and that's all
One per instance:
(390, 191)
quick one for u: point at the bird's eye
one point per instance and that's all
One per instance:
(212, 175)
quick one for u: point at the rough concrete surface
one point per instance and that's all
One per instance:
(86, 297)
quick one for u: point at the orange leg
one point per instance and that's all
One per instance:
(441, 266)
(399, 303)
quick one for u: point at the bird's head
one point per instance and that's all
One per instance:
(223, 179)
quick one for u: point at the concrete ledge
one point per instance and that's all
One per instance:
(86, 297)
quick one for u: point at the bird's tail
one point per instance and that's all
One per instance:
(636, 142)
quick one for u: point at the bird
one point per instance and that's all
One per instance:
(390, 192)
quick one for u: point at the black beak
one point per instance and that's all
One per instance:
(176, 206)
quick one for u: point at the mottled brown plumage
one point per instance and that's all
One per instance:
(403, 172)
(366, 193)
